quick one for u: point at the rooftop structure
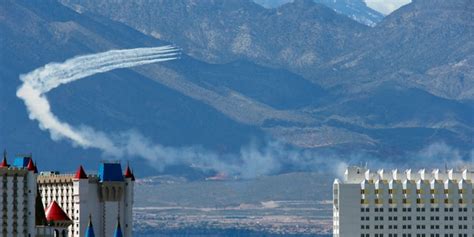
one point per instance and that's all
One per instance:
(403, 203)
(17, 197)
(98, 199)
(75, 202)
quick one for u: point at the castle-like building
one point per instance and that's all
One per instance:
(52, 204)
(107, 197)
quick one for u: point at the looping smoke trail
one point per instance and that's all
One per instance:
(130, 143)
(40, 81)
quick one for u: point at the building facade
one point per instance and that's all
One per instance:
(403, 203)
(103, 199)
(17, 197)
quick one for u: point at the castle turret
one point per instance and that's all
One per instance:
(81, 196)
(57, 219)
(128, 201)
(31, 180)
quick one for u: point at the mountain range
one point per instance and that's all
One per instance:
(300, 73)
(355, 9)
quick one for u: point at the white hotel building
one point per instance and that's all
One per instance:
(403, 203)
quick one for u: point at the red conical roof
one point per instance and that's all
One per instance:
(55, 213)
(128, 172)
(30, 166)
(80, 173)
(4, 162)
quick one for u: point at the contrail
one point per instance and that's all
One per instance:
(43, 79)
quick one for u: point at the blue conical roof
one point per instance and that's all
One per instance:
(90, 229)
(118, 231)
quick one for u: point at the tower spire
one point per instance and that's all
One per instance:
(129, 173)
(118, 230)
(30, 166)
(80, 173)
(90, 228)
(4, 161)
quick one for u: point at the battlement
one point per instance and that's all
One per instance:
(355, 174)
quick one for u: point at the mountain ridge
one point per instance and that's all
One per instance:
(346, 104)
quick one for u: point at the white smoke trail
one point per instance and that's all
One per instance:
(252, 161)
(52, 75)
(37, 83)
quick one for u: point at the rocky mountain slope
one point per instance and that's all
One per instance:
(425, 44)
(297, 36)
(302, 74)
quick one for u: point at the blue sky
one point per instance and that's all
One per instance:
(386, 6)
